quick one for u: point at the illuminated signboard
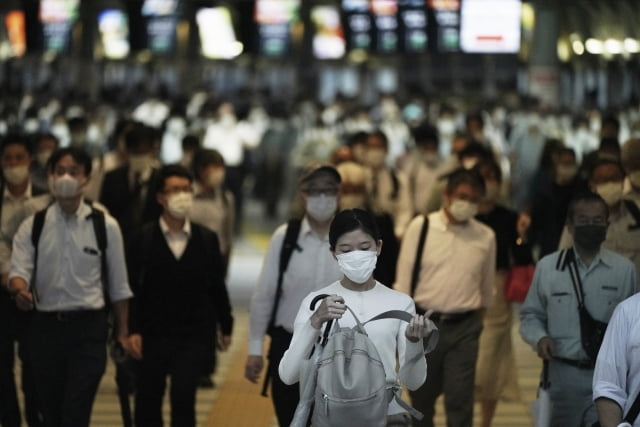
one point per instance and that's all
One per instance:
(385, 25)
(357, 24)
(490, 26)
(274, 19)
(445, 28)
(113, 26)
(161, 18)
(328, 37)
(217, 37)
(58, 17)
(413, 25)
(16, 37)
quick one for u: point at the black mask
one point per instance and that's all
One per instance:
(589, 237)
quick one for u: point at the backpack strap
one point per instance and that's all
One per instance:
(635, 213)
(100, 230)
(419, 250)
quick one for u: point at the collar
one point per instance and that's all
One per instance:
(8, 196)
(603, 256)
(305, 229)
(83, 211)
(186, 229)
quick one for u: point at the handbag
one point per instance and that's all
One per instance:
(518, 282)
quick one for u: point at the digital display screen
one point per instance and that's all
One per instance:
(159, 7)
(328, 37)
(490, 26)
(58, 17)
(357, 24)
(217, 37)
(385, 25)
(161, 33)
(445, 28)
(16, 33)
(413, 25)
(274, 19)
(113, 26)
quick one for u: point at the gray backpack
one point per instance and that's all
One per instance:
(344, 379)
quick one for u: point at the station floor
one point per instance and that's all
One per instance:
(235, 402)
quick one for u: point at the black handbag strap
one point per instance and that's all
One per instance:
(418, 261)
(575, 276)
(633, 411)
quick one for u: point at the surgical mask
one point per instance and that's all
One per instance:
(589, 237)
(215, 178)
(179, 204)
(16, 174)
(358, 266)
(492, 190)
(42, 157)
(446, 127)
(634, 179)
(139, 162)
(64, 186)
(469, 162)
(463, 210)
(375, 157)
(611, 192)
(322, 207)
(430, 158)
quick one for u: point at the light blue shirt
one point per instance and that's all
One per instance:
(551, 306)
(69, 269)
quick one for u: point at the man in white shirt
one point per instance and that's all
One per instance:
(455, 280)
(616, 378)
(66, 281)
(311, 267)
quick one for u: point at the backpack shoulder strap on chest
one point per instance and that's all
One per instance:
(419, 250)
(634, 211)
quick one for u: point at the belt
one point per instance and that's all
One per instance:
(65, 316)
(451, 317)
(580, 364)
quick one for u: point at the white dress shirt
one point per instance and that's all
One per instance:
(69, 269)
(617, 372)
(177, 241)
(457, 267)
(309, 269)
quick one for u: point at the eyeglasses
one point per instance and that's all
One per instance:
(313, 191)
(585, 220)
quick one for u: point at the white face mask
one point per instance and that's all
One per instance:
(375, 157)
(634, 179)
(492, 191)
(463, 210)
(611, 192)
(358, 266)
(430, 158)
(139, 162)
(215, 178)
(566, 173)
(321, 208)
(64, 186)
(42, 157)
(16, 175)
(179, 204)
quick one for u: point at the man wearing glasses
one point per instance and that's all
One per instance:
(550, 319)
(177, 275)
(310, 267)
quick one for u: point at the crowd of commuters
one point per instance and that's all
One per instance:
(458, 195)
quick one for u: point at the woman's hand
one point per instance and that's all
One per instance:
(419, 327)
(332, 307)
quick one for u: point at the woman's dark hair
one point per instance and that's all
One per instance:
(350, 220)
(79, 155)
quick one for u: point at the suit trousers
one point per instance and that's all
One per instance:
(451, 369)
(285, 397)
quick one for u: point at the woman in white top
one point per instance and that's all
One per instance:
(355, 244)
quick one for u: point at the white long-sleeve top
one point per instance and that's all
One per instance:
(388, 335)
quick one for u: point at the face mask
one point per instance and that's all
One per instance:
(446, 127)
(430, 158)
(321, 208)
(352, 201)
(589, 237)
(492, 190)
(215, 178)
(43, 157)
(611, 192)
(566, 173)
(469, 163)
(358, 266)
(375, 157)
(634, 179)
(463, 210)
(16, 175)
(64, 186)
(139, 162)
(179, 204)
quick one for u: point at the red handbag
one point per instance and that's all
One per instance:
(518, 282)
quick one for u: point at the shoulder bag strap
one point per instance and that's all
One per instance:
(575, 276)
(634, 211)
(633, 411)
(418, 260)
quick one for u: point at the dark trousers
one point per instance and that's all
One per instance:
(181, 358)
(69, 357)
(13, 324)
(451, 369)
(285, 397)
